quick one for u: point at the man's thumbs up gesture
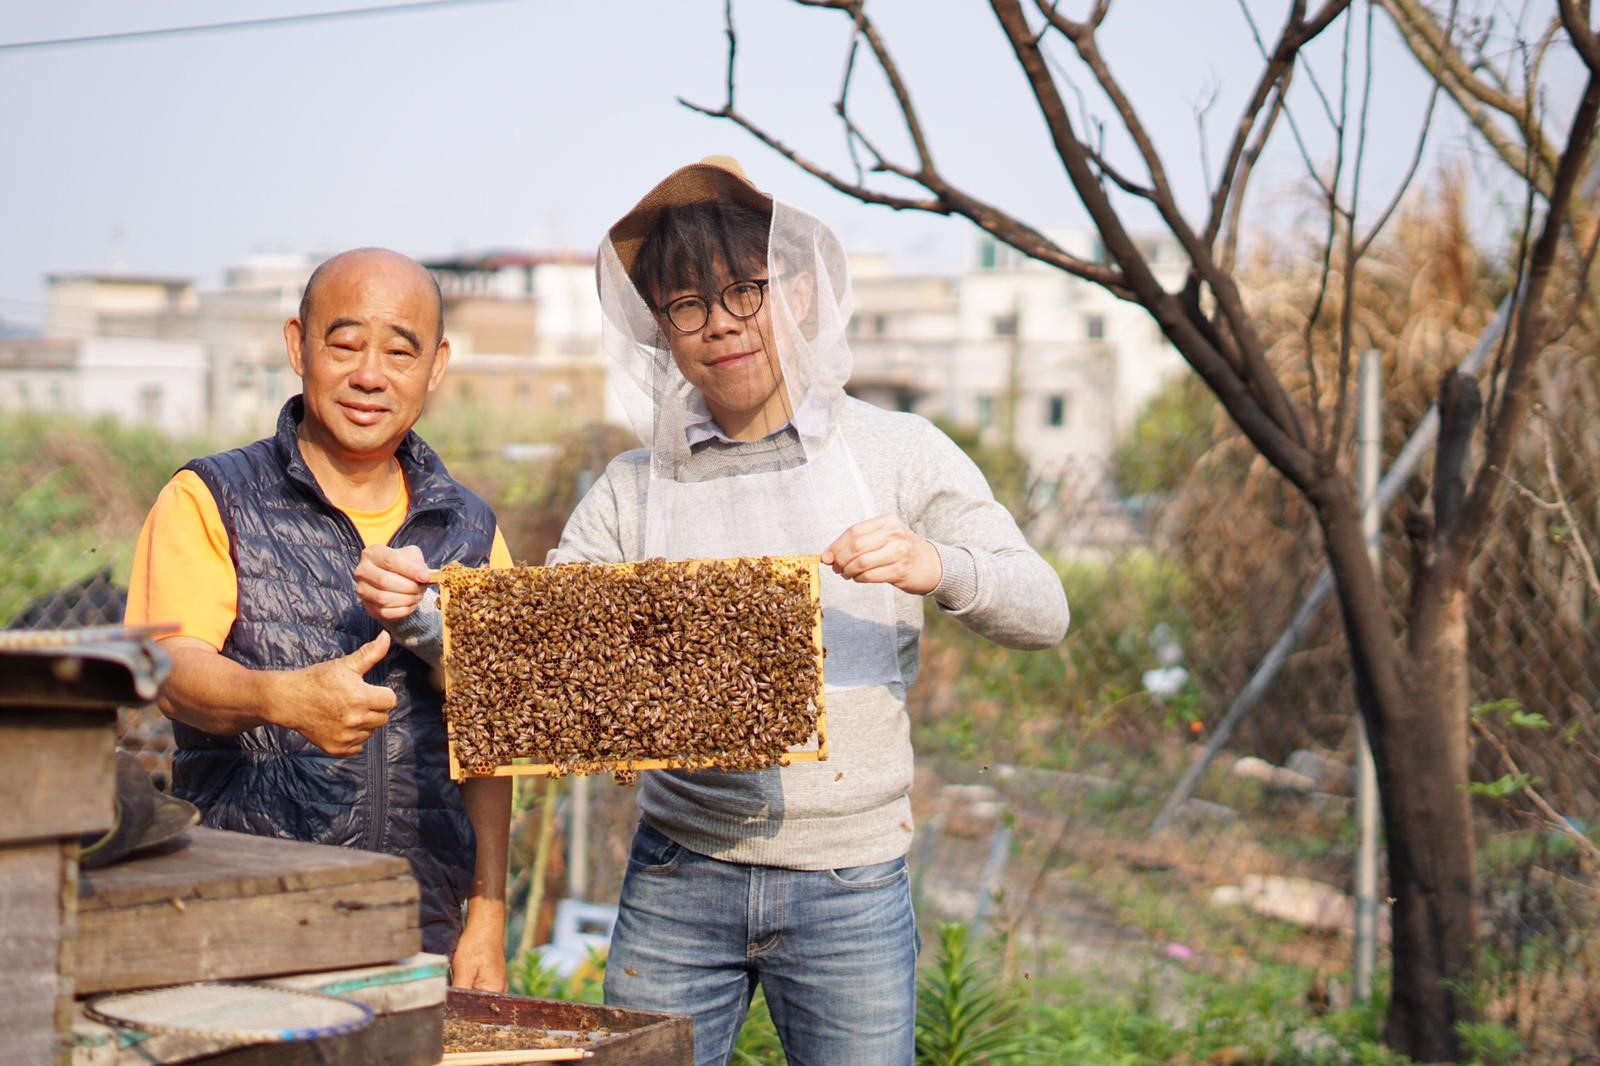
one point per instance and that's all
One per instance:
(332, 706)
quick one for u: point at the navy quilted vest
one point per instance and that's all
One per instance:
(294, 553)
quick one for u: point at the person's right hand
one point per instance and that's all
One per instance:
(330, 705)
(391, 581)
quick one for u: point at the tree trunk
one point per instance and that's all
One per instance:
(1429, 815)
(1415, 705)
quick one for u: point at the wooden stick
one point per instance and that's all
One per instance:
(505, 1058)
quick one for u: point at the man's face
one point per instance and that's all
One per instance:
(734, 364)
(368, 354)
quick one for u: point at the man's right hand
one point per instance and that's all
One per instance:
(391, 581)
(330, 705)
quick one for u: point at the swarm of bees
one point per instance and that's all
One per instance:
(584, 667)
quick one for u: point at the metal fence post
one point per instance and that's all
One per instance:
(1369, 457)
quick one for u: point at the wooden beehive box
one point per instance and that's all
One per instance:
(223, 905)
(58, 697)
(583, 667)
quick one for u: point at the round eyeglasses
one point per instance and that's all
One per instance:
(689, 314)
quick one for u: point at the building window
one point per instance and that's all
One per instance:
(1005, 325)
(150, 405)
(1097, 254)
(988, 256)
(880, 325)
(1094, 327)
(1056, 411)
(985, 411)
(57, 400)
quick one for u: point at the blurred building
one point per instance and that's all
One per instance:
(139, 382)
(524, 330)
(114, 345)
(1029, 355)
(524, 333)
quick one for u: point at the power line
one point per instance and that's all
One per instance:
(257, 23)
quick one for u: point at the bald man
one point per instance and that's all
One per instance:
(293, 714)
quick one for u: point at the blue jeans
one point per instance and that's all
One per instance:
(834, 950)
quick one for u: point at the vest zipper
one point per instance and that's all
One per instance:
(377, 745)
(377, 777)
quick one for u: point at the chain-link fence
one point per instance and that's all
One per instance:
(1184, 558)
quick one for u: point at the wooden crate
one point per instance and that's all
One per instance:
(807, 564)
(219, 905)
(635, 1038)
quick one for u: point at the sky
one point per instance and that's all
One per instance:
(536, 123)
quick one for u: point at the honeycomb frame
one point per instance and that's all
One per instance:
(460, 589)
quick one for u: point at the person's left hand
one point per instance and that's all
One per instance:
(884, 550)
(480, 958)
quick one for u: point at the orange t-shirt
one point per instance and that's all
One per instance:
(183, 571)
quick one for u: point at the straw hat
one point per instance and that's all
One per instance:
(716, 178)
(142, 818)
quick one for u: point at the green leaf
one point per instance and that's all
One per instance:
(1493, 707)
(1509, 785)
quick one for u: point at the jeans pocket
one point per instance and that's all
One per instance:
(866, 878)
(653, 852)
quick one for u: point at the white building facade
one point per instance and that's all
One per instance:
(1026, 353)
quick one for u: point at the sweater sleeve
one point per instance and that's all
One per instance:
(607, 525)
(993, 582)
(422, 631)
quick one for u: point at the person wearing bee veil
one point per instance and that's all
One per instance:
(725, 313)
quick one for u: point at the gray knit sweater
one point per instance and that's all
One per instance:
(853, 809)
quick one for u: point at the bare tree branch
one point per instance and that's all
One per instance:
(1347, 299)
(1574, 541)
(1274, 79)
(1233, 204)
(1202, 108)
(1532, 325)
(1258, 379)
(1293, 42)
(1416, 156)
(1575, 19)
(1432, 46)
(891, 72)
(946, 199)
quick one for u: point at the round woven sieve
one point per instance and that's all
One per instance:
(231, 1011)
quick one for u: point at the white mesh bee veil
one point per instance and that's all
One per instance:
(795, 488)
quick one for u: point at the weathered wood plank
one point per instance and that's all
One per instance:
(192, 938)
(57, 773)
(34, 997)
(218, 865)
